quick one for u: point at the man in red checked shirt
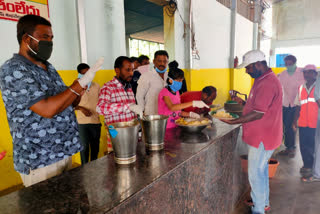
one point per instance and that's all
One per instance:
(116, 99)
(207, 95)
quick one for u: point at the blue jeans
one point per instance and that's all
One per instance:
(307, 143)
(258, 172)
(289, 134)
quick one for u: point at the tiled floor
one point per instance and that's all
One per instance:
(288, 195)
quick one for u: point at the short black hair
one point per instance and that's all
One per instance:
(82, 66)
(173, 65)
(133, 59)
(27, 24)
(119, 61)
(174, 72)
(208, 90)
(142, 57)
(291, 58)
(161, 53)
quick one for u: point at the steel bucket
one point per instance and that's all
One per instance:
(154, 129)
(125, 143)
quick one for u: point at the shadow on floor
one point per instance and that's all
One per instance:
(288, 195)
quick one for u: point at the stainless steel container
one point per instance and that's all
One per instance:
(154, 129)
(125, 143)
(192, 129)
(233, 108)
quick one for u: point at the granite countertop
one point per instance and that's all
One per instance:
(101, 185)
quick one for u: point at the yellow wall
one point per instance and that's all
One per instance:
(223, 79)
(219, 78)
(278, 70)
(8, 176)
(242, 81)
(187, 77)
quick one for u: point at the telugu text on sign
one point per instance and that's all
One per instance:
(13, 10)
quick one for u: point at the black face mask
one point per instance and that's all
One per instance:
(44, 49)
(255, 73)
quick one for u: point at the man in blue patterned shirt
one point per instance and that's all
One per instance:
(39, 106)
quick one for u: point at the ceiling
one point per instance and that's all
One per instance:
(144, 19)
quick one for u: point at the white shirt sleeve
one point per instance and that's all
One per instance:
(317, 89)
(143, 87)
(297, 100)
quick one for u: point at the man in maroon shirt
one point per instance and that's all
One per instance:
(262, 125)
(207, 95)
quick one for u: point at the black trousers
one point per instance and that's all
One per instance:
(289, 134)
(90, 139)
(307, 141)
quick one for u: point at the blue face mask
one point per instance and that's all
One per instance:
(81, 75)
(175, 86)
(161, 72)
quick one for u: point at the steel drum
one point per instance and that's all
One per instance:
(154, 129)
(125, 143)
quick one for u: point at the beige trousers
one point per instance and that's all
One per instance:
(44, 173)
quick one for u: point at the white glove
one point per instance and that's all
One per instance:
(194, 115)
(199, 104)
(89, 75)
(136, 109)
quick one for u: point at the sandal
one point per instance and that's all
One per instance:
(249, 203)
(304, 170)
(310, 179)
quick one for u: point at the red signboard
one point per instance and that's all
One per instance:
(13, 10)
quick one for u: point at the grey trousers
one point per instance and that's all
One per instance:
(316, 164)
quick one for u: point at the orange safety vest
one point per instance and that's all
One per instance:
(309, 108)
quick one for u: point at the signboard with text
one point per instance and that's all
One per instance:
(280, 60)
(14, 9)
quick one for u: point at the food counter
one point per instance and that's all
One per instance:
(195, 173)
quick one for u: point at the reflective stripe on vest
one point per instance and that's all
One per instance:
(307, 100)
(309, 108)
